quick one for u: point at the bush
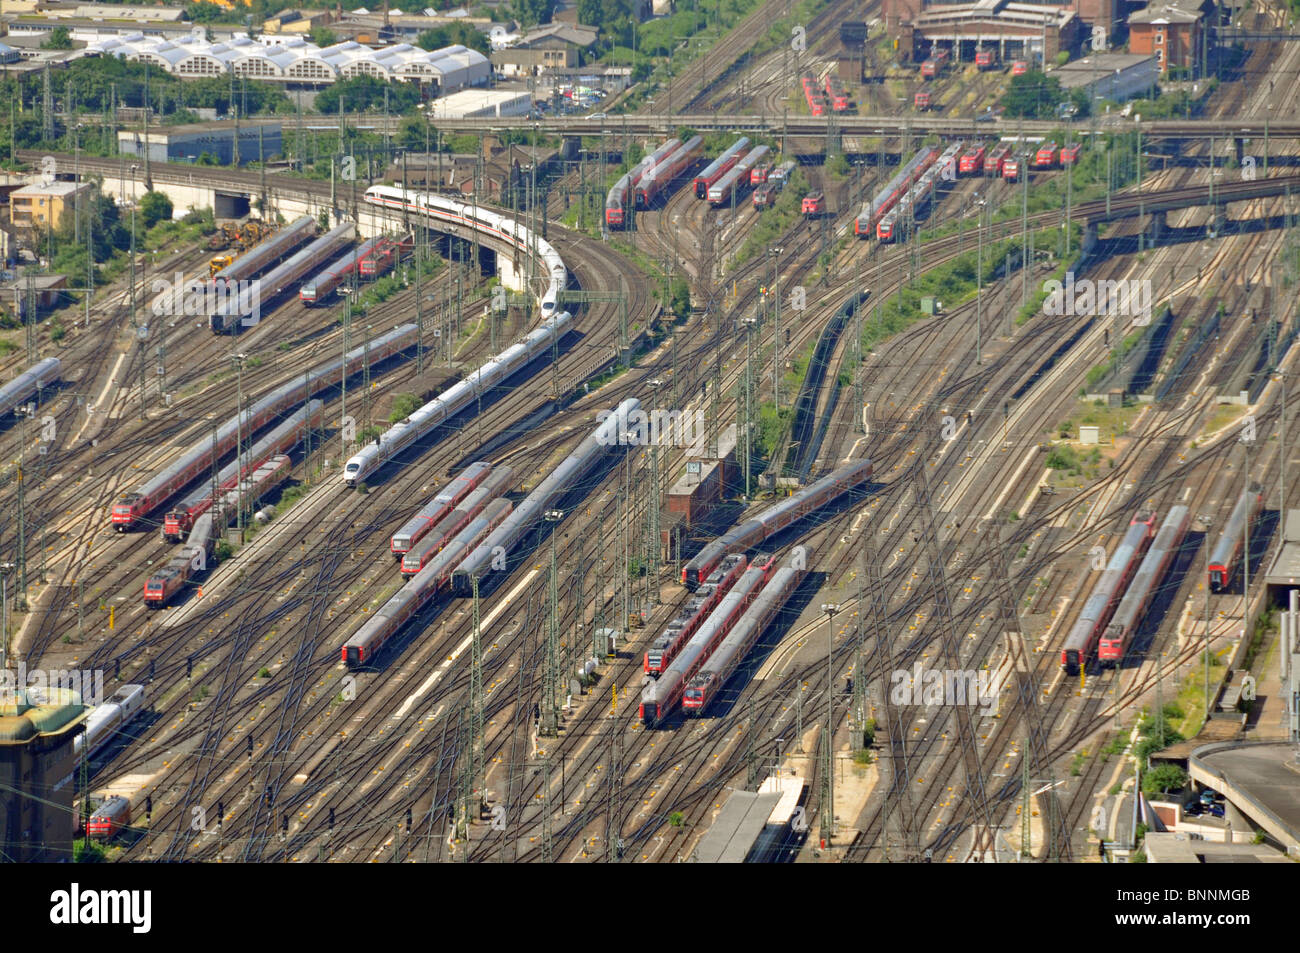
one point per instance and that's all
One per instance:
(676, 818)
(403, 406)
(263, 672)
(1162, 779)
(86, 851)
(155, 207)
(869, 733)
(862, 756)
(1157, 741)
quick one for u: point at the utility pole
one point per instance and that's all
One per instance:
(828, 782)
(979, 284)
(551, 678)
(476, 705)
(239, 360)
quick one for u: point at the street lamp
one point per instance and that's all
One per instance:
(239, 360)
(141, 338)
(749, 324)
(776, 325)
(5, 570)
(1206, 521)
(828, 812)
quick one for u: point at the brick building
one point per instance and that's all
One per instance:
(1173, 31)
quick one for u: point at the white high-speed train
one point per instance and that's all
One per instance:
(540, 342)
(440, 208)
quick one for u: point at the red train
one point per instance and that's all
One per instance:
(660, 697)
(764, 196)
(933, 67)
(922, 100)
(1011, 168)
(187, 562)
(814, 203)
(758, 175)
(684, 625)
(381, 258)
(836, 94)
(1070, 154)
(1081, 643)
(1118, 635)
(972, 161)
(1019, 68)
(985, 59)
(1047, 156)
(776, 518)
(994, 161)
(719, 167)
(1231, 543)
(667, 171)
(110, 817)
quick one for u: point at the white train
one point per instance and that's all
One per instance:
(456, 398)
(29, 383)
(441, 209)
(498, 369)
(106, 720)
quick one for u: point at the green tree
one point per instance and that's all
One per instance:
(403, 406)
(1162, 779)
(323, 36)
(532, 12)
(1158, 739)
(612, 17)
(366, 93)
(155, 207)
(678, 300)
(59, 39)
(1032, 95)
(453, 34)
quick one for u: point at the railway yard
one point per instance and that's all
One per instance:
(853, 498)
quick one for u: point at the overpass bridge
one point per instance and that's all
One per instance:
(642, 124)
(647, 124)
(232, 192)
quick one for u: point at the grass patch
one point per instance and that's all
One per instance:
(1191, 694)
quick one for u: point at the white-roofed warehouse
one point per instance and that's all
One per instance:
(296, 61)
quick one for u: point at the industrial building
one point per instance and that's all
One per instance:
(1173, 31)
(293, 60)
(257, 142)
(480, 103)
(1014, 30)
(1113, 76)
(554, 46)
(37, 765)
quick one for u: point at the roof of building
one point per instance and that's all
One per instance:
(295, 58)
(472, 100)
(737, 826)
(1285, 570)
(52, 189)
(577, 35)
(117, 12)
(1162, 847)
(1104, 63)
(1168, 11)
(998, 11)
